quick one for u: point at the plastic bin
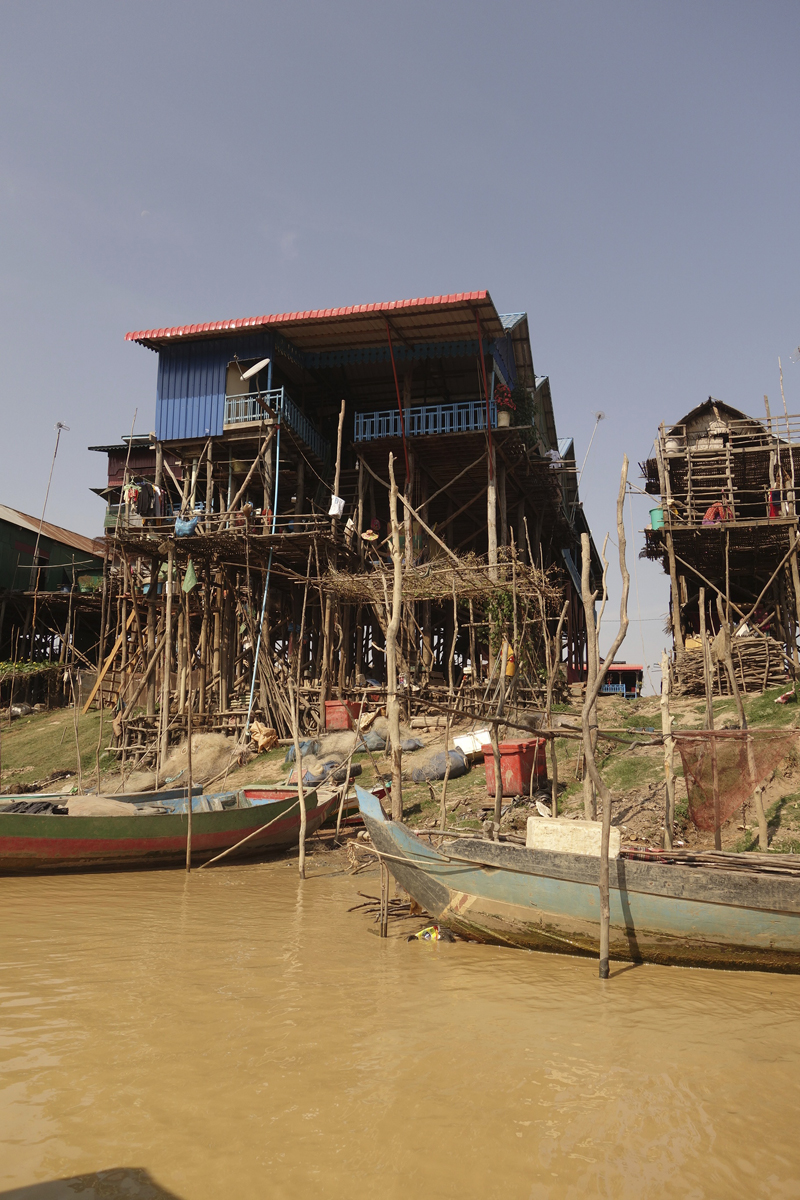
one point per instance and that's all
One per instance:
(517, 760)
(657, 518)
(471, 744)
(341, 714)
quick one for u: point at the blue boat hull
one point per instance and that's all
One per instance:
(537, 900)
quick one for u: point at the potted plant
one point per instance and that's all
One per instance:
(505, 404)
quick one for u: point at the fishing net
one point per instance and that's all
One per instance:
(722, 768)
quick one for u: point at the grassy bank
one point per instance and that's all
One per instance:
(37, 747)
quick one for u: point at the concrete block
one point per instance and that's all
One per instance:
(569, 837)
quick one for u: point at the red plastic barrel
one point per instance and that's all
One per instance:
(517, 760)
(341, 714)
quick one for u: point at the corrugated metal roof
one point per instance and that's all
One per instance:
(440, 318)
(564, 445)
(509, 320)
(56, 534)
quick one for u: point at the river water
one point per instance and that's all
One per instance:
(239, 1034)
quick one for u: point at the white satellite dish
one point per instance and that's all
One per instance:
(251, 371)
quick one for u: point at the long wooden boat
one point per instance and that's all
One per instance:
(125, 797)
(724, 915)
(44, 842)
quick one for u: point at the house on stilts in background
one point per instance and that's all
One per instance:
(266, 479)
(50, 602)
(725, 530)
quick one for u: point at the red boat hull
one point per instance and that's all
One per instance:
(33, 843)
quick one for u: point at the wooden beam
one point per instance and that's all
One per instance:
(108, 662)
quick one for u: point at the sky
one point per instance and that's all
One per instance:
(627, 173)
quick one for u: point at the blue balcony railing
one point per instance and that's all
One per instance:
(246, 410)
(425, 419)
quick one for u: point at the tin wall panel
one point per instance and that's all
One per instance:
(190, 398)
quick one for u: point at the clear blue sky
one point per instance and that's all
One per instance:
(625, 172)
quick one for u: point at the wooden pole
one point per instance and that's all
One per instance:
(708, 686)
(491, 514)
(715, 786)
(201, 699)
(165, 682)
(502, 504)
(300, 494)
(337, 475)
(188, 630)
(216, 667)
(346, 784)
(301, 796)
(669, 750)
(180, 641)
(151, 634)
(362, 484)
(592, 664)
(795, 578)
(553, 664)
(392, 701)
(262, 451)
(588, 706)
(763, 832)
(384, 911)
(493, 737)
(101, 676)
(209, 487)
(159, 476)
(677, 632)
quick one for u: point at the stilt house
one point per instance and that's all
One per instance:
(271, 446)
(725, 530)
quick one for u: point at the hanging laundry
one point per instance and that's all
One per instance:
(145, 500)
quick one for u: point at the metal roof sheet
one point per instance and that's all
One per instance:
(440, 318)
(509, 320)
(55, 532)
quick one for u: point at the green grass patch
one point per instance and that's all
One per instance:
(629, 771)
(762, 710)
(786, 846)
(34, 747)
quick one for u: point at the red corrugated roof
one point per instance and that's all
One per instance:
(322, 316)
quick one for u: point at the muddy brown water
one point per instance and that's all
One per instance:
(240, 1034)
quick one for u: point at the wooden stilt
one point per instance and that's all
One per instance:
(708, 685)
(188, 656)
(677, 631)
(165, 683)
(392, 700)
(338, 469)
(669, 751)
(152, 601)
(209, 487)
(491, 512)
(295, 707)
(300, 494)
(201, 702)
(502, 504)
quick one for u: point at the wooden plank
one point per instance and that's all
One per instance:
(109, 661)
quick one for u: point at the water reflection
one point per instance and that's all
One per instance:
(238, 1033)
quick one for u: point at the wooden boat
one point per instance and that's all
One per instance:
(126, 797)
(722, 915)
(44, 842)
